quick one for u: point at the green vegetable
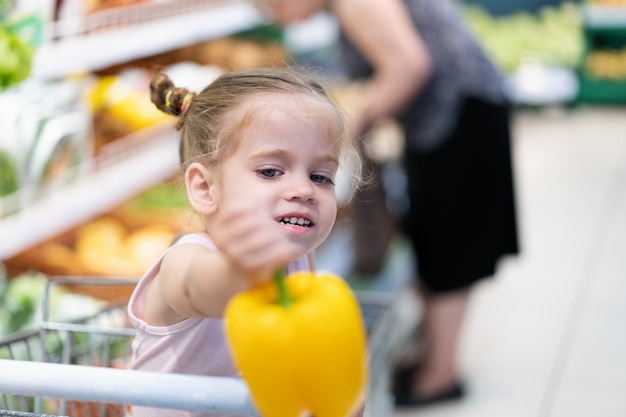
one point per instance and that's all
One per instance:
(21, 301)
(16, 58)
(169, 195)
(22, 298)
(553, 36)
(8, 174)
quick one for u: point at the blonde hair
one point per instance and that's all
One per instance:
(208, 121)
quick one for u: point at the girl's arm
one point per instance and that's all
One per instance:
(385, 35)
(193, 281)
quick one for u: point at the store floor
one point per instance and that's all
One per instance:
(547, 336)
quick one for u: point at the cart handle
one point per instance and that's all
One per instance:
(125, 386)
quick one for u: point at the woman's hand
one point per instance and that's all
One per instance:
(384, 34)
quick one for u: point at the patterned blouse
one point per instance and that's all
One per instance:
(460, 69)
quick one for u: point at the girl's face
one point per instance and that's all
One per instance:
(284, 167)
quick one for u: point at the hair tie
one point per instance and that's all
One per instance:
(167, 97)
(186, 100)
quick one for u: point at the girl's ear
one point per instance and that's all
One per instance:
(201, 189)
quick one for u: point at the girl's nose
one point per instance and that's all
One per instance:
(301, 188)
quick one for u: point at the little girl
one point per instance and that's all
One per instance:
(260, 150)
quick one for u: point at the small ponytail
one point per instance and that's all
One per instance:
(169, 98)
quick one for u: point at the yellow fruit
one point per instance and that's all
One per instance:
(103, 234)
(145, 245)
(137, 111)
(99, 240)
(98, 94)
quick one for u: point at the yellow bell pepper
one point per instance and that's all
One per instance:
(301, 345)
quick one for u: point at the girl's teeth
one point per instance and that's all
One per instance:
(295, 220)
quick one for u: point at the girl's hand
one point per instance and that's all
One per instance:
(254, 244)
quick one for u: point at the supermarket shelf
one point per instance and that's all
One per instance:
(98, 41)
(113, 181)
(605, 29)
(123, 42)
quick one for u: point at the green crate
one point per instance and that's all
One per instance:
(601, 91)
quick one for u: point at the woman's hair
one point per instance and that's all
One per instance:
(210, 120)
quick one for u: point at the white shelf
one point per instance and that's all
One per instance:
(538, 85)
(103, 48)
(604, 16)
(92, 195)
(95, 43)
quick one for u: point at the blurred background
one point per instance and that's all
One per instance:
(89, 174)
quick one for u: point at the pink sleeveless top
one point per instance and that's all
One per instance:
(193, 346)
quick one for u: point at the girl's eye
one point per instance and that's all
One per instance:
(269, 172)
(321, 179)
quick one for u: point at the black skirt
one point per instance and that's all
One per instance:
(462, 216)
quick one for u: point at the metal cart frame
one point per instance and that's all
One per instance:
(81, 367)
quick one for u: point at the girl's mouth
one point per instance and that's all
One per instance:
(296, 221)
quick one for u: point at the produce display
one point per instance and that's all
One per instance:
(608, 64)
(608, 2)
(87, 113)
(21, 300)
(17, 57)
(121, 105)
(553, 36)
(301, 340)
(105, 247)
(46, 133)
(121, 243)
(21, 32)
(101, 247)
(8, 174)
(602, 75)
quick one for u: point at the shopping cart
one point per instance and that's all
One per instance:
(80, 368)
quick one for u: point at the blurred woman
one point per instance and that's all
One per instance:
(423, 67)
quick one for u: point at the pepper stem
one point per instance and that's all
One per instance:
(284, 299)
